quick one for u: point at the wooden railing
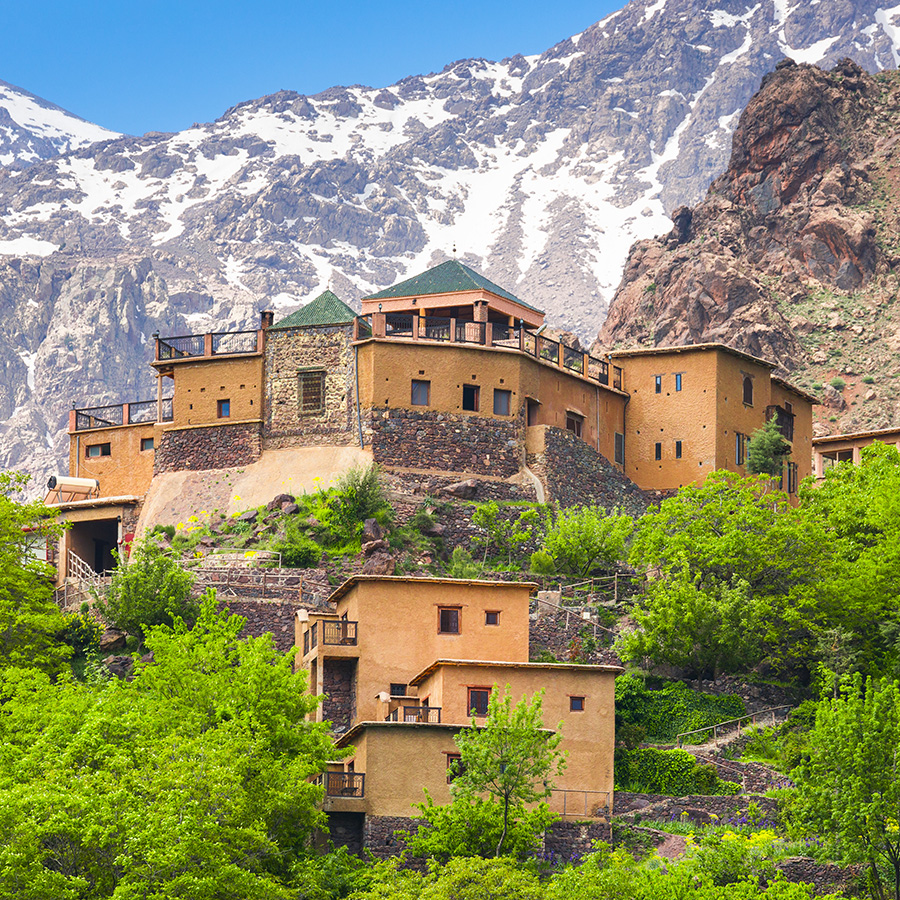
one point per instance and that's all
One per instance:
(343, 784)
(339, 632)
(429, 715)
(138, 412)
(216, 343)
(733, 724)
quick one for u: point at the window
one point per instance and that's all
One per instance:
(470, 397)
(576, 704)
(748, 390)
(574, 423)
(491, 618)
(677, 449)
(620, 449)
(678, 381)
(792, 478)
(94, 450)
(740, 445)
(478, 701)
(397, 689)
(311, 392)
(455, 767)
(448, 620)
(146, 444)
(658, 450)
(223, 408)
(502, 402)
(659, 384)
(421, 393)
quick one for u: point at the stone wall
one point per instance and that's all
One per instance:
(696, 808)
(275, 617)
(445, 442)
(345, 829)
(379, 838)
(561, 633)
(575, 474)
(215, 447)
(339, 687)
(569, 841)
(315, 347)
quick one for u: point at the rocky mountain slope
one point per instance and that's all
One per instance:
(541, 170)
(794, 254)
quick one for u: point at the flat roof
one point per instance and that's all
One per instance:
(497, 664)
(855, 435)
(348, 736)
(691, 348)
(353, 580)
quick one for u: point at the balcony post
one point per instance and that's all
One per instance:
(378, 324)
(207, 345)
(488, 335)
(156, 343)
(522, 335)
(561, 354)
(126, 413)
(585, 366)
(415, 327)
(453, 330)
(159, 398)
(73, 420)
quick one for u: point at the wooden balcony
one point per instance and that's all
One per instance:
(343, 784)
(140, 412)
(427, 715)
(330, 632)
(185, 348)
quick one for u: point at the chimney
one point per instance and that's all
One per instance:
(266, 318)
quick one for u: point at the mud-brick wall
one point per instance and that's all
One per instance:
(339, 687)
(291, 350)
(577, 475)
(216, 447)
(445, 442)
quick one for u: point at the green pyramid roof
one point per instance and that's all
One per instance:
(450, 277)
(326, 309)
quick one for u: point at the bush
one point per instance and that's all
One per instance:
(868, 379)
(148, 588)
(300, 553)
(462, 565)
(582, 541)
(675, 773)
(838, 383)
(817, 386)
(358, 496)
(81, 633)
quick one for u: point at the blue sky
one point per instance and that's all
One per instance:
(160, 65)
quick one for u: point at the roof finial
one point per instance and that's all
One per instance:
(454, 249)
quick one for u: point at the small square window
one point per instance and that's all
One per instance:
(502, 402)
(491, 618)
(576, 704)
(677, 449)
(658, 383)
(678, 381)
(658, 450)
(478, 701)
(574, 423)
(421, 393)
(311, 392)
(223, 408)
(448, 620)
(146, 444)
(471, 394)
(397, 689)
(92, 451)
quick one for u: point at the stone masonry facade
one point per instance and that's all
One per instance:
(339, 687)
(289, 352)
(577, 475)
(215, 447)
(445, 442)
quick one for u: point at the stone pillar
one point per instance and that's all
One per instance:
(207, 345)
(415, 327)
(453, 331)
(126, 413)
(378, 324)
(480, 311)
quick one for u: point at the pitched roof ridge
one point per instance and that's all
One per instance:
(326, 309)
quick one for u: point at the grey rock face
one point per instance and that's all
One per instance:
(541, 170)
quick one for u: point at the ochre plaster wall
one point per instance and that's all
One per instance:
(398, 631)
(802, 449)
(200, 384)
(127, 471)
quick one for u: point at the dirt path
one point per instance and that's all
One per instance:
(672, 847)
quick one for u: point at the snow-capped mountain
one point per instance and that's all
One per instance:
(32, 128)
(540, 170)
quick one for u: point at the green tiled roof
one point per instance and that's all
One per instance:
(326, 309)
(449, 277)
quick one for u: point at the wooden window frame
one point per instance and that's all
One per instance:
(679, 447)
(448, 609)
(104, 449)
(657, 384)
(506, 395)
(475, 402)
(576, 699)
(619, 445)
(473, 710)
(487, 617)
(147, 444)
(223, 408)
(423, 385)
(747, 382)
(451, 759)
(657, 451)
(678, 381)
(310, 392)
(577, 421)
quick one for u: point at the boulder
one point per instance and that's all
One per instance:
(112, 639)
(833, 398)
(278, 502)
(436, 530)
(120, 666)
(371, 547)
(379, 564)
(290, 509)
(372, 531)
(248, 516)
(462, 490)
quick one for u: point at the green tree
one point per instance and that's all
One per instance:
(511, 757)
(848, 789)
(30, 622)
(582, 540)
(768, 450)
(504, 534)
(148, 588)
(193, 780)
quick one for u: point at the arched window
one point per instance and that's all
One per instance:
(748, 390)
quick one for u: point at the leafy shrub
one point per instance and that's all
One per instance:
(167, 530)
(462, 565)
(358, 496)
(582, 540)
(838, 383)
(81, 633)
(868, 379)
(817, 386)
(501, 532)
(299, 553)
(675, 773)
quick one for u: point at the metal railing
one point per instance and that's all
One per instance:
(181, 347)
(573, 359)
(137, 412)
(429, 715)
(434, 328)
(339, 632)
(547, 349)
(226, 343)
(398, 324)
(343, 784)
(733, 724)
(587, 804)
